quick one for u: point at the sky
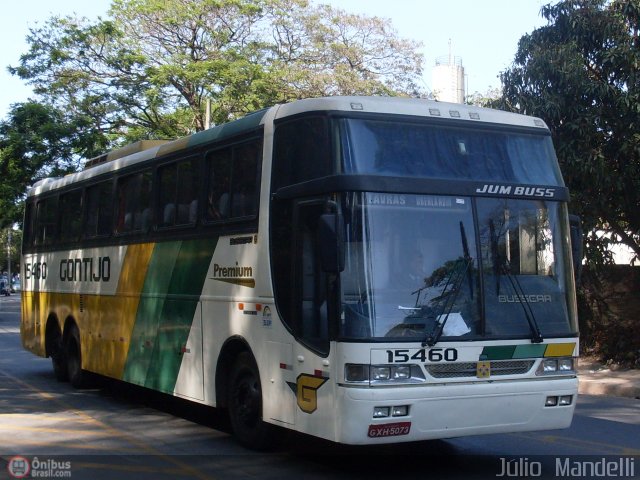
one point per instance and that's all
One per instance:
(483, 34)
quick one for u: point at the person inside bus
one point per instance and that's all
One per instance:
(413, 275)
(218, 200)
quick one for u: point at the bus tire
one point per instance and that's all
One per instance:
(245, 405)
(59, 361)
(55, 349)
(73, 357)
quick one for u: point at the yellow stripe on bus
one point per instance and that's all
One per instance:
(559, 350)
(108, 334)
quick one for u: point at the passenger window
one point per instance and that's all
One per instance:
(232, 183)
(29, 225)
(301, 152)
(46, 221)
(71, 216)
(178, 197)
(134, 203)
(244, 175)
(99, 211)
(219, 185)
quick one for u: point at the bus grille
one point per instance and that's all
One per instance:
(469, 369)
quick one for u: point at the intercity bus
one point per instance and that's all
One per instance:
(362, 269)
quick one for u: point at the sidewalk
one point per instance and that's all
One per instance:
(598, 379)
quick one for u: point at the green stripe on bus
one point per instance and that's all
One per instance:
(185, 287)
(530, 351)
(154, 290)
(539, 350)
(500, 352)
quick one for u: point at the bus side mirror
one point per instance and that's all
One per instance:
(331, 242)
(575, 229)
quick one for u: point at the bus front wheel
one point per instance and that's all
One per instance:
(245, 405)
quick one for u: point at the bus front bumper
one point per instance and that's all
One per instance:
(453, 410)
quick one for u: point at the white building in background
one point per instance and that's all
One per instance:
(447, 79)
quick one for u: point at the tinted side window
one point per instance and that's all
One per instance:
(99, 210)
(232, 183)
(134, 203)
(29, 225)
(178, 196)
(301, 152)
(244, 180)
(46, 221)
(70, 216)
(219, 185)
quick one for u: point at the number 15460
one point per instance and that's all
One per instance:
(422, 355)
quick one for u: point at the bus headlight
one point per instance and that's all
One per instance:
(383, 374)
(356, 373)
(565, 365)
(380, 373)
(549, 365)
(556, 366)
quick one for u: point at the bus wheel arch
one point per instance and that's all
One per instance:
(241, 393)
(229, 352)
(54, 348)
(73, 353)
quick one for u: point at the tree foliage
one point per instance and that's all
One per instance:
(10, 243)
(37, 141)
(148, 70)
(580, 73)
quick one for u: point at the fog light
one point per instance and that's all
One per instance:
(380, 412)
(400, 411)
(566, 400)
(380, 373)
(551, 401)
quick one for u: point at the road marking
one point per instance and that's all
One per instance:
(185, 468)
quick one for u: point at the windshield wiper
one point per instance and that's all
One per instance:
(501, 266)
(456, 277)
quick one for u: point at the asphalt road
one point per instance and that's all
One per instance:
(117, 431)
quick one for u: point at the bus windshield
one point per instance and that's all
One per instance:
(400, 147)
(421, 265)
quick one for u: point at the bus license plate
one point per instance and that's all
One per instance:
(389, 429)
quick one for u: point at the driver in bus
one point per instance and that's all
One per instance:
(413, 275)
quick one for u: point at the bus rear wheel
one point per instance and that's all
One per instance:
(245, 405)
(73, 357)
(58, 360)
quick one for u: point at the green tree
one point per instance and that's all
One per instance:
(486, 99)
(37, 141)
(581, 74)
(10, 249)
(148, 70)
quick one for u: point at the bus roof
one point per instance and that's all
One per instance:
(389, 105)
(159, 149)
(410, 106)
